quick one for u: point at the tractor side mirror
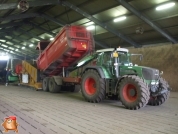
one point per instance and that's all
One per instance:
(141, 57)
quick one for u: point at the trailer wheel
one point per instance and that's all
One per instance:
(133, 92)
(160, 99)
(53, 87)
(92, 86)
(46, 84)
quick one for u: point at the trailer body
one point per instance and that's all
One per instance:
(68, 47)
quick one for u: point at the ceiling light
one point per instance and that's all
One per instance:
(16, 49)
(31, 45)
(90, 23)
(165, 6)
(4, 46)
(23, 47)
(11, 51)
(51, 39)
(120, 18)
(90, 27)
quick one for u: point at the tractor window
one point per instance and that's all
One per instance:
(107, 58)
(124, 59)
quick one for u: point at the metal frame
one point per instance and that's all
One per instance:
(103, 25)
(145, 19)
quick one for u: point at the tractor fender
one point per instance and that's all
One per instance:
(117, 84)
(98, 69)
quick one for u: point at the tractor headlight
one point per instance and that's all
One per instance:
(154, 83)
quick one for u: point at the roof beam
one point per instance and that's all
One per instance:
(17, 52)
(103, 25)
(10, 24)
(145, 19)
(29, 34)
(20, 16)
(40, 28)
(101, 44)
(31, 4)
(27, 52)
(52, 19)
(14, 55)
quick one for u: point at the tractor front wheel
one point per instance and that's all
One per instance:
(92, 86)
(53, 87)
(160, 99)
(133, 92)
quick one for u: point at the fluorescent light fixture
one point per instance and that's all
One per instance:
(23, 47)
(11, 51)
(4, 46)
(90, 27)
(51, 39)
(4, 57)
(16, 49)
(120, 18)
(165, 6)
(90, 23)
(31, 45)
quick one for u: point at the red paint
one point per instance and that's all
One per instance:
(126, 93)
(90, 86)
(68, 47)
(18, 69)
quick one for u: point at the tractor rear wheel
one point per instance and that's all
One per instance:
(46, 84)
(92, 86)
(160, 99)
(53, 87)
(133, 92)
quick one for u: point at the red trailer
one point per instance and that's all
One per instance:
(56, 57)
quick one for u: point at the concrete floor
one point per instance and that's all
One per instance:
(40, 112)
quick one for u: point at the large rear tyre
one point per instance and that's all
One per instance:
(92, 86)
(46, 84)
(53, 87)
(160, 99)
(133, 92)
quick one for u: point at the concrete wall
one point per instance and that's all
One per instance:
(162, 57)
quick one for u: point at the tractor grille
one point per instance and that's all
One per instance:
(150, 73)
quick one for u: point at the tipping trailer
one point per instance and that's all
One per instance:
(70, 45)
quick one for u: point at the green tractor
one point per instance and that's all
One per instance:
(113, 74)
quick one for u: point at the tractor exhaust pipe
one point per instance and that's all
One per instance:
(116, 62)
(116, 67)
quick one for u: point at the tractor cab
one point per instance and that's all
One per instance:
(107, 56)
(111, 59)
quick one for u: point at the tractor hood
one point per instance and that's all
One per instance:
(84, 61)
(145, 72)
(150, 73)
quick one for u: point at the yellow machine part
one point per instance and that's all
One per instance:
(32, 73)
